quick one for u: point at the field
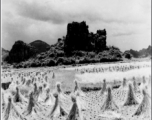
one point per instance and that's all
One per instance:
(116, 91)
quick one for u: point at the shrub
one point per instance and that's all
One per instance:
(60, 61)
(59, 53)
(79, 53)
(51, 62)
(127, 55)
(113, 48)
(83, 60)
(118, 55)
(33, 64)
(91, 54)
(95, 60)
(73, 60)
(67, 61)
(41, 56)
(43, 64)
(52, 55)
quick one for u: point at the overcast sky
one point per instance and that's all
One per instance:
(128, 22)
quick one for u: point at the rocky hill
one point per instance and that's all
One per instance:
(79, 46)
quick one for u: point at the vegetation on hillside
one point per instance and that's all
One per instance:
(79, 46)
(145, 52)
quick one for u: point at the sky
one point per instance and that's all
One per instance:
(127, 22)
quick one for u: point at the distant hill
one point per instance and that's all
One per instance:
(5, 53)
(41, 46)
(78, 46)
(22, 51)
(145, 52)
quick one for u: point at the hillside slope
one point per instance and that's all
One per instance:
(4, 54)
(41, 46)
(22, 51)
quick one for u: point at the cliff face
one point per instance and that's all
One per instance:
(79, 38)
(21, 52)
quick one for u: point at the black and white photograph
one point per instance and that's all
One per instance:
(76, 59)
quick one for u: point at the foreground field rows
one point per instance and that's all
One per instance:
(99, 92)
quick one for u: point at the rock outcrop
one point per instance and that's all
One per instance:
(79, 38)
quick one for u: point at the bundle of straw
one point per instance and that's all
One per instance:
(3, 101)
(30, 104)
(144, 107)
(109, 104)
(58, 86)
(76, 86)
(104, 87)
(144, 80)
(17, 97)
(53, 76)
(10, 110)
(130, 97)
(136, 89)
(124, 83)
(74, 112)
(57, 110)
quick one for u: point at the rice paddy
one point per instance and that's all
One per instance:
(118, 91)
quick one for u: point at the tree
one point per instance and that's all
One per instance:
(127, 55)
